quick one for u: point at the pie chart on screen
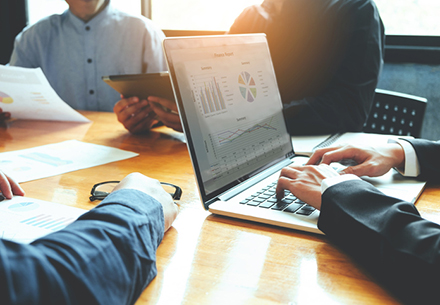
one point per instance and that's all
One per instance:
(5, 99)
(247, 86)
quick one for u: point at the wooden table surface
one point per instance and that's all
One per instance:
(206, 259)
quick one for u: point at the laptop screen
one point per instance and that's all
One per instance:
(230, 107)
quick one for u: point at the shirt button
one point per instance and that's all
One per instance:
(89, 60)
(91, 91)
(87, 28)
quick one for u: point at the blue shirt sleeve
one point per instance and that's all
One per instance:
(107, 256)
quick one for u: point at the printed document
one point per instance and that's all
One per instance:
(306, 145)
(24, 219)
(27, 94)
(55, 159)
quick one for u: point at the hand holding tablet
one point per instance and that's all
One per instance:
(146, 100)
(142, 85)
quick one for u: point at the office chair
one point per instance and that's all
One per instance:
(396, 113)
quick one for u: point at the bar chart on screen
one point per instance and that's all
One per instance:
(214, 93)
(211, 92)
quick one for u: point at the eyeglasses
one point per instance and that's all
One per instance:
(101, 190)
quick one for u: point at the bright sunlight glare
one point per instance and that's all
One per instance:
(203, 15)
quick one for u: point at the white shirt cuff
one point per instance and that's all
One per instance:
(328, 182)
(412, 166)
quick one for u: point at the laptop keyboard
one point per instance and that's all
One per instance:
(266, 198)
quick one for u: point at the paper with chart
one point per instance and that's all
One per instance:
(55, 159)
(234, 110)
(24, 219)
(27, 94)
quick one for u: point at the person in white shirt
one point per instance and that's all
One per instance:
(90, 40)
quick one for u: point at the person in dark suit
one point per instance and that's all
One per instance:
(327, 57)
(387, 236)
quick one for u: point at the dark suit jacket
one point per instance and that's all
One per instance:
(327, 56)
(386, 236)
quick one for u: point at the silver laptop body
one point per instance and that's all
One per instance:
(231, 113)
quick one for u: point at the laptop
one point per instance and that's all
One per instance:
(231, 112)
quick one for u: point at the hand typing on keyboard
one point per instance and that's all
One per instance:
(304, 182)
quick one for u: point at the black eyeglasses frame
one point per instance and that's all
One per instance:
(176, 195)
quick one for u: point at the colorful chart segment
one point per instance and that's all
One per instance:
(5, 99)
(247, 86)
(211, 97)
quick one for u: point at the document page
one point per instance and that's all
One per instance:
(24, 219)
(55, 159)
(27, 94)
(306, 145)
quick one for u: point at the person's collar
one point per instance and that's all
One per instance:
(79, 23)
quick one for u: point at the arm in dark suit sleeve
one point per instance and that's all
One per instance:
(386, 236)
(428, 154)
(107, 256)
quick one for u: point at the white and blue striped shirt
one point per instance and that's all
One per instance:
(74, 54)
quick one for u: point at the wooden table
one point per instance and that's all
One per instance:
(207, 259)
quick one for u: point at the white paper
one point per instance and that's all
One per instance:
(24, 219)
(305, 145)
(27, 94)
(55, 159)
(367, 139)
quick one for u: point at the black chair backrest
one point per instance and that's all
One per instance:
(396, 113)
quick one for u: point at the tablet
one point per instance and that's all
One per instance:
(142, 85)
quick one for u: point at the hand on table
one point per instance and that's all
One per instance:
(304, 182)
(372, 162)
(153, 188)
(9, 187)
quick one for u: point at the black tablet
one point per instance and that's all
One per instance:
(142, 85)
